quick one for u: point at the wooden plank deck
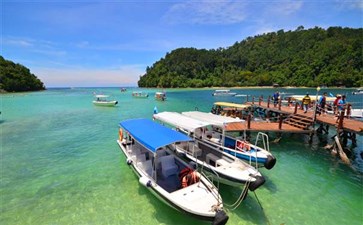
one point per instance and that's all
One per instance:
(350, 125)
(265, 127)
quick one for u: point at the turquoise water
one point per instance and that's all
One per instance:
(60, 164)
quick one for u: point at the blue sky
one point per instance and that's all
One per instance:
(110, 43)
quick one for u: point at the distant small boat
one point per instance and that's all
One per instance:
(161, 96)
(240, 95)
(102, 100)
(358, 92)
(123, 89)
(223, 92)
(140, 94)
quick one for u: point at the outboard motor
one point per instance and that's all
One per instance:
(260, 180)
(270, 162)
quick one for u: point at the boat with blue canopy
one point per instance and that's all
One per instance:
(150, 150)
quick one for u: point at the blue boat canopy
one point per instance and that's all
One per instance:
(152, 135)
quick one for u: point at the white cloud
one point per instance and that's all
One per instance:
(206, 12)
(18, 42)
(350, 4)
(287, 7)
(78, 77)
(43, 47)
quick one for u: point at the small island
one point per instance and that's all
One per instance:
(17, 78)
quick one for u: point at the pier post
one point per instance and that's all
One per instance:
(295, 110)
(280, 122)
(249, 121)
(341, 118)
(260, 100)
(268, 101)
(280, 104)
(353, 138)
(349, 107)
(253, 100)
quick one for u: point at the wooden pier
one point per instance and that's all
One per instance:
(299, 118)
(290, 118)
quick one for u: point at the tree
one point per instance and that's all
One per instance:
(16, 77)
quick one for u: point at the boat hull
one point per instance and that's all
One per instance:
(107, 104)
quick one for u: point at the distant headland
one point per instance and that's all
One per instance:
(17, 78)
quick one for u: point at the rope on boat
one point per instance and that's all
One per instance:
(268, 222)
(241, 197)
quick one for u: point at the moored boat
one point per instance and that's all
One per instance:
(227, 169)
(139, 94)
(160, 96)
(356, 113)
(223, 92)
(359, 91)
(102, 100)
(229, 109)
(218, 135)
(150, 151)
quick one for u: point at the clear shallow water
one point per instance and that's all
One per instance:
(60, 164)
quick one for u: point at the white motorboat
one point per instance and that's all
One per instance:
(257, 153)
(160, 96)
(227, 168)
(356, 113)
(102, 100)
(358, 92)
(224, 92)
(150, 151)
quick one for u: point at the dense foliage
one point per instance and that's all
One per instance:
(16, 77)
(312, 57)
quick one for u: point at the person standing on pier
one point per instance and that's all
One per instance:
(276, 98)
(322, 103)
(306, 102)
(335, 104)
(341, 106)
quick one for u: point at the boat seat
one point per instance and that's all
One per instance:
(161, 152)
(168, 166)
(196, 152)
(139, 158)
(134, 150)
(146, 166)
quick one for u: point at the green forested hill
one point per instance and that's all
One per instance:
(16, 77)
(312, 57)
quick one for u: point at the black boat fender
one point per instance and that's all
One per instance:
(129, 161)
(221, 218)
(270, 162)
(260, 180)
